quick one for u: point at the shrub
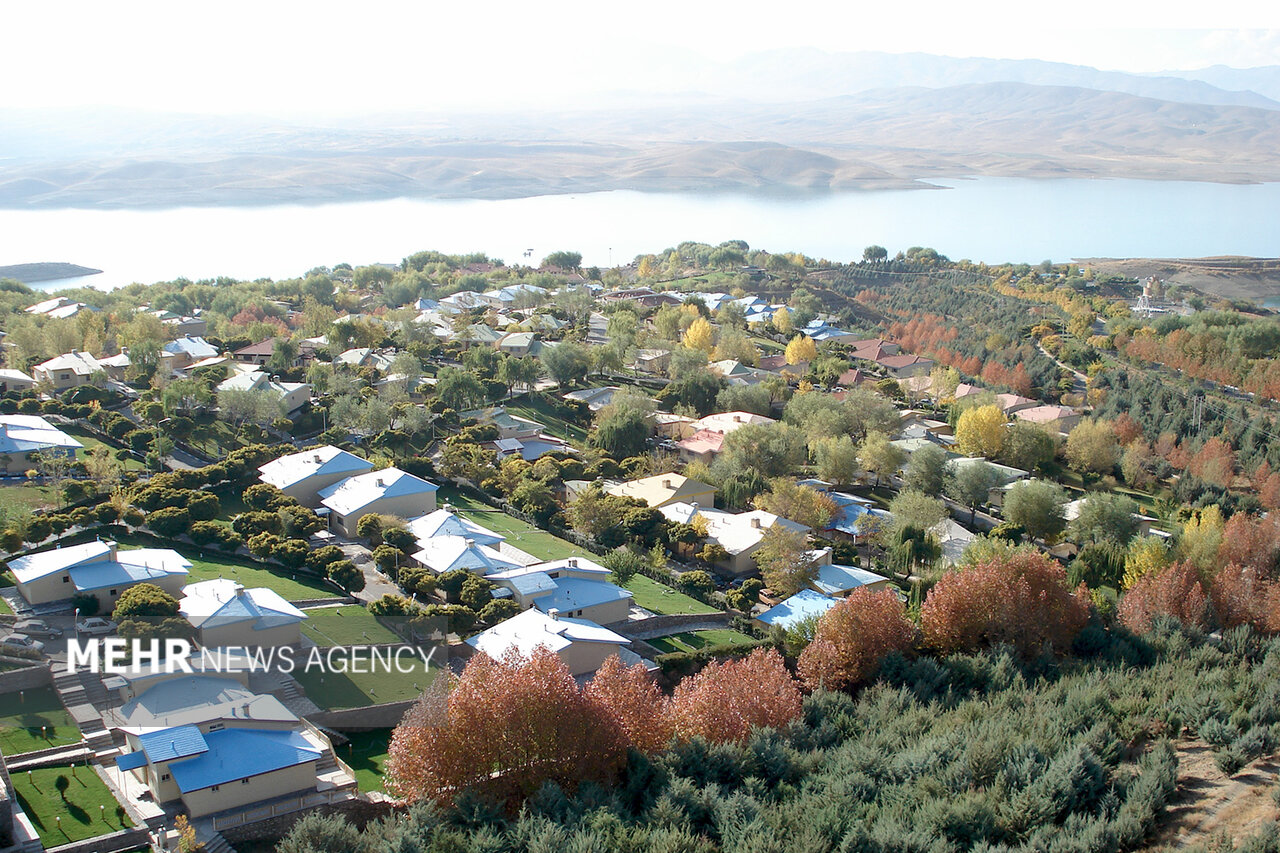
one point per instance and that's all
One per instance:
(1172, 591)
(499, 610)
(85, 604)
(697, 582)
(319, 559)
(1021, 599)
(169, 521)
(854, 637)
(203, 506)
(400, 537)
(347, 575)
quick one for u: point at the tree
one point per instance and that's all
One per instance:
(926, 470)
(146, 611)
(1241, 596)
(518, 371)
(1022, 600)
(853, 638)
(837, 459)
(726, 700)
(622, 432)
(916, 509)
(563, 260)
(1174, 590)
(567, 362)
(457, 389)
(879, 456)
(981, 431)
(801, 350)
(623, 564)
(169, 521)
(1145, 555)
(697, 389)
(874, 253)
(700, 336)
(784, 560)
(1027, 446)
(1105, 518)
(971, 484)
(772, 450)
(1036, 506)
(503, 729)
(591, 512)
(798, 503)
(635, 702)
(1092, 447)
(1201, 540)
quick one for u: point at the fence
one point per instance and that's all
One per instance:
(288, 805)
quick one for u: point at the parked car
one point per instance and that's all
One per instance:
(37, 628)
(22, 642)
(95, 625)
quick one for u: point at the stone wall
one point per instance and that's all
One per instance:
(125, 839)
(31, 675)
(359, 812)
(362, 719)
(664, 626)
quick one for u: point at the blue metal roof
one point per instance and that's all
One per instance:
(798, 607)
(132, 760)
(835, 578)
(174, 743)
(241, 753)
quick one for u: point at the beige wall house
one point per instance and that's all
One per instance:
(224, 613)
(303, 475)
(583, 645)
(23, 435)
(575, 587)
(662, 489)
(99, 569)
(389, 491)
(69, 370)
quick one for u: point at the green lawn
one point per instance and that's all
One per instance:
(367, 756)
(351, 625)
(91, 441)
(663, 600)
(77, 807)
(334, 690)
(21, 716)
(697, 640)
(291, 585)
(22, 499)
(538, 408)
(4, 606)
(520, 534)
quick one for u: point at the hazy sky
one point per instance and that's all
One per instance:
(285, 57)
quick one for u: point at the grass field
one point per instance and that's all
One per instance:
(22, 715)
(293, 586)
(351, 625)
(22, 499)
(367, 756)
(697, 640)
(91, 441)
(520, 534)
(334, 690)
(73, 815)
(663, 600)
(535, 407)
(5, 608)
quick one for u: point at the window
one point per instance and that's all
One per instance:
(216, 726)
(66, 579)
(214, 787)
(164, 777)
(113, 592)
(244, 781)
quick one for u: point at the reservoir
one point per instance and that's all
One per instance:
(987, 219)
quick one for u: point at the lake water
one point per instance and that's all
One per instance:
(989, 219)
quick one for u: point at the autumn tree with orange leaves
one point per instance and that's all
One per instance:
(725, 700)
(1174, 591)
(1241, 596)
(502, 729)
(854, 637)
(634, 701)
(1021, 599)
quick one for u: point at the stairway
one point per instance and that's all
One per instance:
(85, 698)
(215, 843)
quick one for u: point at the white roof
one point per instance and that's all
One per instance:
(193, 699)
(532, 629)
(220, 602)
(727, 422)
(258, 380)
(444, 522)
(80, 363)
(446, 553)
(98, 565)
(196, 347)
(736, 532)
(358, 492)
(296, 467)
(24, 433)
(11, 375)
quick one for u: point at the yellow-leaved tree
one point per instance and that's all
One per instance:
(801, 349)
(980, 431)
(700, 336)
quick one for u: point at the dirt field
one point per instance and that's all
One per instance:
(1232, 277)
(1210, 804)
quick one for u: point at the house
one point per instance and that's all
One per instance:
(517, 344)
(530, 448)
(952, 539)
(903, 366)
(509, 425)
(652, 361)
(445, 522)
(740, 534)
(227, 764)
(583, 645)
(1011, 403)
(293, 395)
(478, 334)
(575, 587)
(99, 569)
(703, 446)
(389, 491)
(726, 422)
(667, 425)
(69, 370)
(662, 489)
(303, 475)
(22, 435)
(259, 353)
(15, 380)
(224, 613)
(1056, 419)
(1007, 476)
(597, 398)
(737, 373)
(872, 349)
(821, 332)
(837, 580)
(450, 552)
(805, 604)
(846, 523)
(156, 699)
(188, 350)
(366, 357)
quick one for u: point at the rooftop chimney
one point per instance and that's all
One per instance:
(755, 522)
(573, 562)
(318, 459)
(554, 613)
(666, 484)
(381, 484)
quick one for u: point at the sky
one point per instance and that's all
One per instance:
(284, 57)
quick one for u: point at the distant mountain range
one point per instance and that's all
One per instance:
(784, 119)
